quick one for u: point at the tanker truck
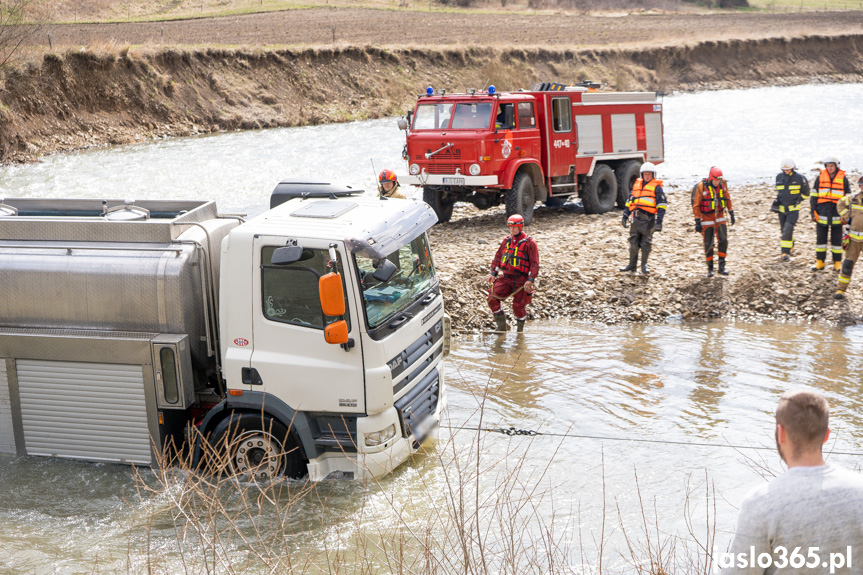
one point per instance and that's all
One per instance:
(306, 341)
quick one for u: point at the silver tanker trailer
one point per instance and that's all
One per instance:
(305, 341)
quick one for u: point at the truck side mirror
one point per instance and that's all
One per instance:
(402, 124)
(331, 294)
(384, 270)
(337, 332)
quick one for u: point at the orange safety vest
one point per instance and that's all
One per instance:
(709, 197)
(831, 190)
(514, 258)
(644, 196)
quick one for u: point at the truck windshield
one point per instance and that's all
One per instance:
(432, 116)
(413, 276)
(472, 116)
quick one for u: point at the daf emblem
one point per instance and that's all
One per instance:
(506, 149)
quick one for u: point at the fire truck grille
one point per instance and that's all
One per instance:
(443, 168)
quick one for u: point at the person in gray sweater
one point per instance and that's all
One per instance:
(809, 519)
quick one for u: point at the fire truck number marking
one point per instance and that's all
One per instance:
(506, 149)
(561, 144)
(241, 341)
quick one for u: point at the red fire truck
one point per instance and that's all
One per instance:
(545, 144)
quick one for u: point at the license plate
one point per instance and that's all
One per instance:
(423, 428)
(454, 181)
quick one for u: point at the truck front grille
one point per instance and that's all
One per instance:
(443, 168)
(419, 404)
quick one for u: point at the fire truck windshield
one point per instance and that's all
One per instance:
(472, 116)
(413, 277)
(432, 116)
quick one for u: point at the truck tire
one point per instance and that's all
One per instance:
(257, 446)
(520, 198)
(442, 207)
(627, 173)
(600, 193)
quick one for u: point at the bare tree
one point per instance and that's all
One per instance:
(15, 28)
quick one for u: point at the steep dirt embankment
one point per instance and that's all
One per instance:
(83, 98)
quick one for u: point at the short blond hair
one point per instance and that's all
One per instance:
(805, 415)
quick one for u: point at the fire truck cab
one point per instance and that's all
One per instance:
(518, 148)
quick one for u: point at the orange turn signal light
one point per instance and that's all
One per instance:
(237, 392)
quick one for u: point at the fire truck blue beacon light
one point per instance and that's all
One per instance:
(429, 91)
(491, 90)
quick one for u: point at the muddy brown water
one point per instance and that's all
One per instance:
(662, 403)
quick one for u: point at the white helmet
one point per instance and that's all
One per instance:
(830, 160)
(788, 164)
(648, 167)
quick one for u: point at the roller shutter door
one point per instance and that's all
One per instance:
(84, 410)
(653, 132)
(7, 433)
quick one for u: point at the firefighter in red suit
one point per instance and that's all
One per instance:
(513, 272)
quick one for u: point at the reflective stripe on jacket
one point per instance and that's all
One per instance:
(831, 189)
(709, 202)
(791, 189)
(851, 210)
(515, 258)
(643, 196)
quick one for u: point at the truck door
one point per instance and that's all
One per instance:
(562, 140)
(290, 355)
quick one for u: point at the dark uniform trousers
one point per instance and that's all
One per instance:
(830, 224)
(641, 233)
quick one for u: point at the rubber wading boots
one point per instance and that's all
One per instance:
(519, 325)
(837, 265)
(839, 294)
(500, 322)
(819, 265)
(722, 267)
(633, 262)
(710, 269)
(644, 269)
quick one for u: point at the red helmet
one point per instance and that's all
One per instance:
(516, 220)
(387, 176)
(715, 172)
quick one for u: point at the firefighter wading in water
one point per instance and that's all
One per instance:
(647, 205)
(830, 187)
(513, 271)
(851, 212)
(710, 199)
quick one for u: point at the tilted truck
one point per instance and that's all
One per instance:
(545, 144)
(305, 341)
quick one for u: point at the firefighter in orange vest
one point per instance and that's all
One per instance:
(851, 211)
(830, 187)
(513, 272)
(647, 205)
(710, 200)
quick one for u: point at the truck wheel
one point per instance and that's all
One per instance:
(441, 206)
(259, 447)
(627, 173)
(520, 198)
(600, 194)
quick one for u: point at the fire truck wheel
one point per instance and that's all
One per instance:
(441, 205)
(257, 447)
(600, 193)
(627, 173)
(520, 198)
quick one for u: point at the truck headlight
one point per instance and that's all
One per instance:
(474, 169)
(415, 169)
(380, 437)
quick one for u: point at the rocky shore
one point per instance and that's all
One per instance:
(580, 256)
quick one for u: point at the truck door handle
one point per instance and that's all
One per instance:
(250, 376)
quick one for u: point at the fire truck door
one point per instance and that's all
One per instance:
(290, 354)
(562, 140)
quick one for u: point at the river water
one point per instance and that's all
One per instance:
(637, 417)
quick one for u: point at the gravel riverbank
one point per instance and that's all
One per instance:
(580, 256)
